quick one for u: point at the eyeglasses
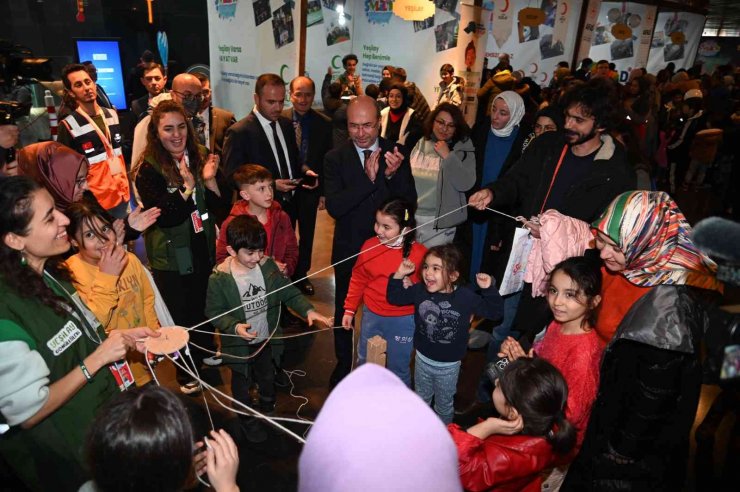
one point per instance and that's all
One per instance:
(188, 97)
(444, 124)
(355, 127)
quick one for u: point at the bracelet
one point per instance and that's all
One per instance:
(187, 192)
(87, 374)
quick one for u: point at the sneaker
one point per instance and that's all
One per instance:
(190, 387)
(214, 360)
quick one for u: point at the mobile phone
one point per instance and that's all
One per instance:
(296, 181)
(309, 180)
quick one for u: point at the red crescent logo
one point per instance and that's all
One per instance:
(505, 8)
(565, 8)
(544, 77)
(535, 68)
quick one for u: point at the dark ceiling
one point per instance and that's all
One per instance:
(724, 15)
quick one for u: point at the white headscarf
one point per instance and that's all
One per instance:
(516, 109)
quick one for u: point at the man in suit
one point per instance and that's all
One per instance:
(215, 120)
(267, 138)
(154, 80)
(358, 176)
(313, 136)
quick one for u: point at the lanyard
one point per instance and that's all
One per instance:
(79, 310)
(555, 174)
(104, 137)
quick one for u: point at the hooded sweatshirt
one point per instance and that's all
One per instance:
(374, 433)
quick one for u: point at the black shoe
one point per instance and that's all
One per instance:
(307, 287)
(281, 379)
(266, 407)
(253, 430)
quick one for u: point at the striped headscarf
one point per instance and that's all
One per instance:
(654, 236)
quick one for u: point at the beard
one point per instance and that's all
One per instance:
(575, 138)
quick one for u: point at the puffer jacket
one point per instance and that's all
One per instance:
(638, 435)
(561, 237)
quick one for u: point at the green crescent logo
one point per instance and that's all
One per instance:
(336, 64)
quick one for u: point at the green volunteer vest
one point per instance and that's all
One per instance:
(49, 455)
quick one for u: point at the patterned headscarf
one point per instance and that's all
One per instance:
(516, 109)
(654, 236)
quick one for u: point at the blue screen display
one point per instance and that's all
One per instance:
(106, 57)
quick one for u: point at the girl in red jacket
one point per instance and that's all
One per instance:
(393, 220)
(509, 453)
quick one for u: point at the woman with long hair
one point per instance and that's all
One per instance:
(443, 166)
(57, 366)
(177, 175)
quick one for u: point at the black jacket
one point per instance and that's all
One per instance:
(648, 394)
(319, 141)
(524, 187)
(352, 199)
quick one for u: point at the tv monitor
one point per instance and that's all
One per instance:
(105, 54)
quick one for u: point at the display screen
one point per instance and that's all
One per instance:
(106, 56)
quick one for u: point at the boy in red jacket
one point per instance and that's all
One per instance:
(255, 186)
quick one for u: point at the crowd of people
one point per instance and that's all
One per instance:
(594, 359)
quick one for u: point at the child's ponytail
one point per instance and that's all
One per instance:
(562, 437)
(537, 390)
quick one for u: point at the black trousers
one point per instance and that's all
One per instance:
(342, 338)
(263, 372)
(307, 203)
(185, 297)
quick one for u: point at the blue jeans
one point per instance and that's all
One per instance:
(437, 380)
(499, 334)
(398, 332)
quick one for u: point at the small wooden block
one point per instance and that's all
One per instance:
(172, 339)
(376, 349)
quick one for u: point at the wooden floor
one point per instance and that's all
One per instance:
(272, 466)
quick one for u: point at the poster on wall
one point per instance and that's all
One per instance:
(235, 64)
(714, 52)
(421, 47)
(676, 40)
(622, 35)
(327, 41)
(534, 50)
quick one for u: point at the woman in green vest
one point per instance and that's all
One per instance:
(57, 367)
(177, 175)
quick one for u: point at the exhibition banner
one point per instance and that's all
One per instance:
(535, 50)
(589, 26)
(676, 39)
(454, 35)
(622, 35)
(714, 52)
(247, 39)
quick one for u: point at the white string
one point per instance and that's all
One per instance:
(302, 334)
(202, 323)
(505, 215)
(300, 373)
(255, 413)
(203, 393)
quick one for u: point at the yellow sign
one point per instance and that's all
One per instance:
(678, 37)
(621, 31)
(413, 10)
(531, 17)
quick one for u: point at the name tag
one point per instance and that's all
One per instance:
(122, 374)
(64, 338)
(197, 222)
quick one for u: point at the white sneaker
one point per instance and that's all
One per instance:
(190, 387)
(214, 360)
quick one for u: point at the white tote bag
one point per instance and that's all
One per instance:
(513, 280)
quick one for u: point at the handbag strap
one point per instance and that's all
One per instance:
(554, 175)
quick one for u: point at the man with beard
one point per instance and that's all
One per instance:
(577, 172)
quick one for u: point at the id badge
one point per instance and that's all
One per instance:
(197, 222)
(122, 373)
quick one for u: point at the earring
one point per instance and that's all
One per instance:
(24, 261)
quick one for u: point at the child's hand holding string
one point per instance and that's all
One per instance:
(242, 329)
(313, 316)
(222, 461)
(512, 350)
(406, 267)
